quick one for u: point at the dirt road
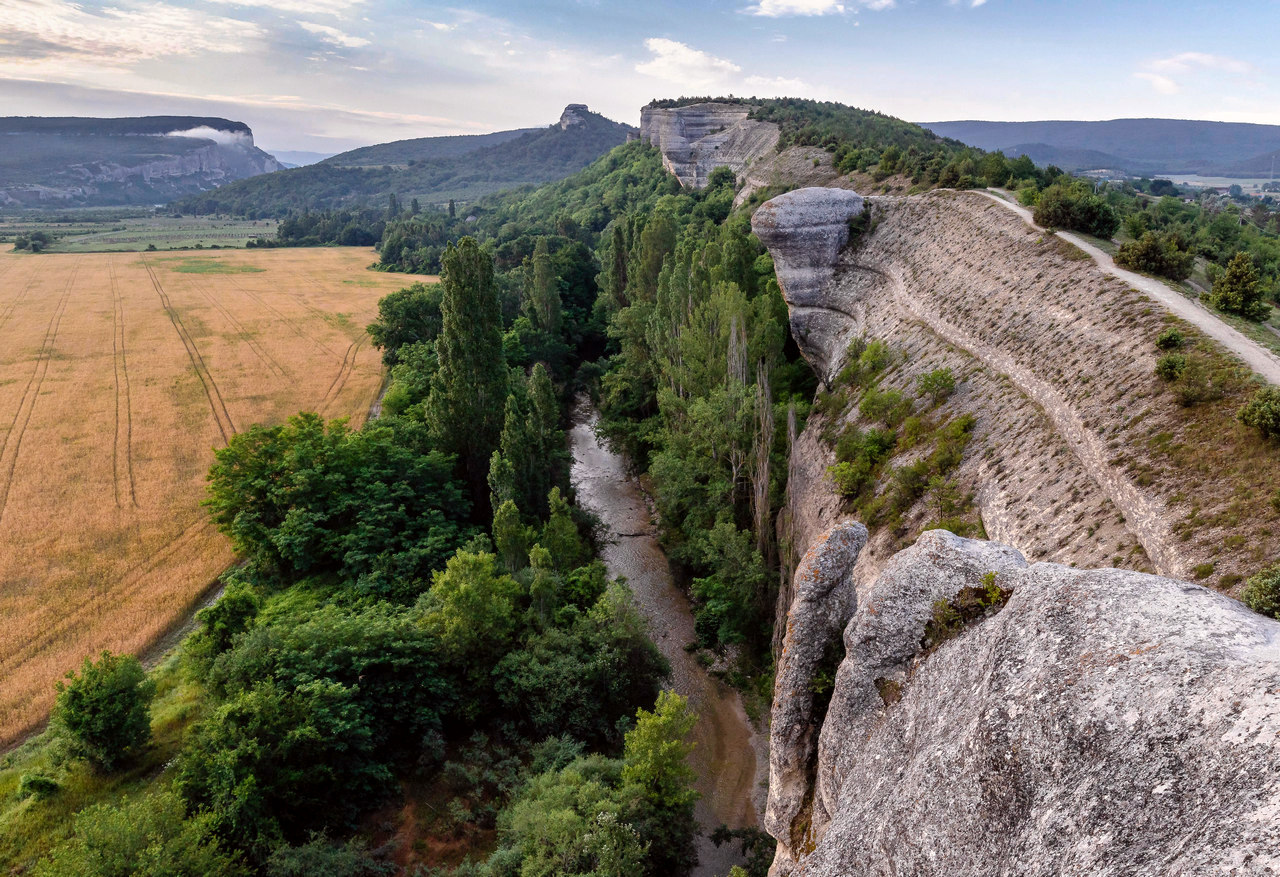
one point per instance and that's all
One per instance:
(1254, 355)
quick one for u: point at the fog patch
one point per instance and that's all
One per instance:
(223, 138)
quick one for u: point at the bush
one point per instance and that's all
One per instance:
(1198, 383)
(1157, 254)
(887, 406)
(33, 785)
(1076, 209)
(1239, 290)
(104, 712)
(1170, 339)
(1262, 592)
(141, 837)
(1263, 412)
(937, 384)
(1170, 366)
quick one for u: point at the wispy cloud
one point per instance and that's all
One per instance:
(333, 36)
(118, 35)
(783, 8)
(1165, 75)
(303, 7)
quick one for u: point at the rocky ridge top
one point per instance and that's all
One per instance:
(698, 138)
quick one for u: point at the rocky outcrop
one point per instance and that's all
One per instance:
(697, 139)
(1101, 722)
(574, 114)
(805, 230)
(824, 600)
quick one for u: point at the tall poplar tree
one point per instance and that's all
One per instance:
(469, 391)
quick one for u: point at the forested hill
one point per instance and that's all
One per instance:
(1137, 146)
(423, 170)
(402, 152)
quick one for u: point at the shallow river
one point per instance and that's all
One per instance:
(723, 755)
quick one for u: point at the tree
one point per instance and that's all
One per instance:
(657, 780)
(104, 712)
(543, 290)
(140, 837)
(511, 537)
(469, 391)
(1239, 290)
(471, 609)
(404, 317)
(1157, 253)
(560, 535)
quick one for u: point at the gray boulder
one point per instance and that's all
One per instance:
(1101, 722)
(805, 230)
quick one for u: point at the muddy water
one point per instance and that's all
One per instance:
(723, 755)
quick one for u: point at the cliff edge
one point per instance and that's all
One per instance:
(697, 139)
(1085, 722)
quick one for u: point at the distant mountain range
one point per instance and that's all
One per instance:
(431, 169)
(1135, 146)
(57, 162)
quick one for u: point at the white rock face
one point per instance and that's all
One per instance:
(1101, 722)
(697, 139)
(805, 231)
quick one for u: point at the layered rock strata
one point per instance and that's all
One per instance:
(1101, 722)
(697, 139)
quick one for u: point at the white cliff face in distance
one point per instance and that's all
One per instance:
(697, 139)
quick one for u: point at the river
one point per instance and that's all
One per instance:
(723, 754)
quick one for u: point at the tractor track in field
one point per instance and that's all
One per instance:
(124, 426)
(344, 372)
(258, 350)
(293, 326)
(17, 300)
(226, 427)
(12, 445)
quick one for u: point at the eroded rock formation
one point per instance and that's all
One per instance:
(1101, 722)
(697, 139)
(805, 230)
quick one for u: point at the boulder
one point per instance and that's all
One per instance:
(1100, 722)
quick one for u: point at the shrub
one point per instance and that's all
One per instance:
(34, 785)
(1263, 412)
(141, 837)
(104, 712)
(1070, 207)
(1157, 254)
(1262, 592)
(937, 384)
(887, 406)
(1239, 290)
(1197, 383)
(1170, 339)
(1170, 366)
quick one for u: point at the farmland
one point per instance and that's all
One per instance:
(96, 230)
(119, 373)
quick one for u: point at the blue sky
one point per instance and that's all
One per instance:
(330, 74)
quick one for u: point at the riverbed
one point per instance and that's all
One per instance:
(723, 756)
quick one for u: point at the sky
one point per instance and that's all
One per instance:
(328, 75)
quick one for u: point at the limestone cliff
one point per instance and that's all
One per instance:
(1100, 722)
(74, 161)
(696, 139)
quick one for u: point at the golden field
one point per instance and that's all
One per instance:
(119, 374)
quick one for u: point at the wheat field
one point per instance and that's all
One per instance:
(119, 374)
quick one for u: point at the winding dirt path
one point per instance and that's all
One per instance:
(724, 755)
(1257, 357)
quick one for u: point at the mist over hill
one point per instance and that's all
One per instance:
(1136, 146)
(70, 161)
(431, 169)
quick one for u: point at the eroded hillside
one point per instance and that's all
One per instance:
(1080, 454)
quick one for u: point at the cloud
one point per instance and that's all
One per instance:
(1189, 61)
(782, 8)
(765, 86)
(304, 7)
(117, 35)
(333, 36)
(1162, 84)
(683, 65)
(1160, 74)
